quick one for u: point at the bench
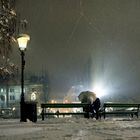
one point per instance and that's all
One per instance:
(121, 109)
(63, 105)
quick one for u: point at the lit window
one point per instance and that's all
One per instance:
(12, 97)
(1, 90)
(2, 97)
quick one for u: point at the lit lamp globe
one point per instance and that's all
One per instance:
(22, 41)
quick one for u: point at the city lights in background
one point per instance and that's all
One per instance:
(53, 101)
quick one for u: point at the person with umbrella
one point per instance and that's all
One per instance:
(95, 103)
(86, 97)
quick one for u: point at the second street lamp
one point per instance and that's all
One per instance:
(22, 42)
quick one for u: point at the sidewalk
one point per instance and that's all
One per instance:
(70, 129)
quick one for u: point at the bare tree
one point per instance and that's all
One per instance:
(8, 20)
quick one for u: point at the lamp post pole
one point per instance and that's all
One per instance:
(22, 102)
(22, 41)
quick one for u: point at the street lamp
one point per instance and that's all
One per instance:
(22, 42)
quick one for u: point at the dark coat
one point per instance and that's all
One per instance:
(96, 104)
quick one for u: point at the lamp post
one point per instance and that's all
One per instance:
(22, 42)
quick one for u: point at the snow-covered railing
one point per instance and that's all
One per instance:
(63, 105)
(121, 108)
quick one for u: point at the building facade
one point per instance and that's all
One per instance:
(10, 96)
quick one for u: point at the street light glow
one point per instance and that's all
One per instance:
(22, 41)
(100, 90)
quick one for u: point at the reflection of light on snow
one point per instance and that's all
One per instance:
(109, 109)
(77, 109)
(39, 110)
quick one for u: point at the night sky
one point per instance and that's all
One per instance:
(76, 40)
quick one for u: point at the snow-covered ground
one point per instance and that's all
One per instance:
(71, 129)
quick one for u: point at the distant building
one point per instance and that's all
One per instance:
(14, 93)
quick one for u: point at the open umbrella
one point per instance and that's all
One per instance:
(87, 97)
